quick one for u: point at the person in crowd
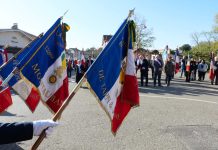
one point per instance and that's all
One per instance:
(216, 70)
(22, 131)
(192, 69)
(195, 68)
(89, 62)
(183, 66)
(169, 70)
(144, 71)
(158, 65)
(188, 71)
(151, 65)
(202, 69)
(69, 68)
(139, 62)
(80, 70)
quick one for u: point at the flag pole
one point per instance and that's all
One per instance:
(67, 101)
(59, 112)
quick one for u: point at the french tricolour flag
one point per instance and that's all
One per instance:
(5, 98)
(177, 61)
(45, 68)
(211, 73)
(112, 76)
(23, 88)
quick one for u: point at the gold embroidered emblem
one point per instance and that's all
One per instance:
(52, 79)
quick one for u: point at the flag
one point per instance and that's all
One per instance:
(177, 61)
(188, 64)
(24, 89)
(165, 55)
(112, 77)
(5, 99)
(211, 73)
(45, 68)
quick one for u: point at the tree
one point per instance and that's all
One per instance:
(196, 38)
(209, 37)
(186, 48)
(144, 38)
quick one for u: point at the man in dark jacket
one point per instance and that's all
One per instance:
(80, 70)
(89, 63)
(158, 65)
(169, 70)
(15, 132)
(144, 72)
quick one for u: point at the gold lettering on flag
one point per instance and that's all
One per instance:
(104, 89)
(55, 101)
(107, 98)
(37, 71)
(101, 75)
(49, 52)
(123, 44)
(45, 92)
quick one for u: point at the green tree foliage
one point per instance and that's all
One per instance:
(205, 43)
(186, 48)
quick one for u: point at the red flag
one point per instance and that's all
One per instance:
(5, 99)
(211, 73)
(188, 64)
(177, 61)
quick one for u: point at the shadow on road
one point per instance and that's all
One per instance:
(180, 87)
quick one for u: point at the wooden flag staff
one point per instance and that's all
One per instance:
(59, 112)
(66, 102)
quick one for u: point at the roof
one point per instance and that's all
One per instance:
(26, 34)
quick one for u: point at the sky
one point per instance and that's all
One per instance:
(172, 21)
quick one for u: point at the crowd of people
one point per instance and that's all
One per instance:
(79, 67)
(189, 68)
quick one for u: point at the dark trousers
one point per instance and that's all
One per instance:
(187, 76)
(144, 75)
(201, 75)
(69, 73)
(216, 77)
(78, 77)
(157, 75)
(182, 71)
(168, 79)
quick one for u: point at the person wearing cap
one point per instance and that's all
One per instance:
(22, 131)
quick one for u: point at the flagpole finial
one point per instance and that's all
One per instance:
(64, 14)
(131, 13)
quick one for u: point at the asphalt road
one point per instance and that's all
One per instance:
(183, 116)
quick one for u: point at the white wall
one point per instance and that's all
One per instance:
(13, 39)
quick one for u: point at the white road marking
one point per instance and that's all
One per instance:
(182, 98)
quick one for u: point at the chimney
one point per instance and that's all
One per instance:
(15, 26)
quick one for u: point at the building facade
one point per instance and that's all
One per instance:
(14, 39)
